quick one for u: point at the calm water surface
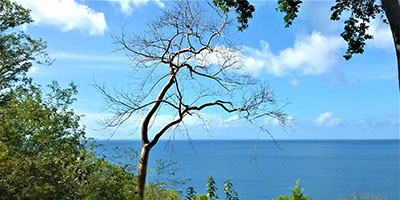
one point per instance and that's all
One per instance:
(262, 170)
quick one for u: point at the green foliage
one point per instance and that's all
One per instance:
(297, 194)
(201, 197)
(104, 180)
(108, 181)
(154, 192)
(242, 7)
(229, 191)
(357, 24)
(291, 8)
(42, 155)
(40, 145)
(211, 189)
(12, 15)
(190, 194)
(17, 50)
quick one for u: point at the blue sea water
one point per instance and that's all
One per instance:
(260, 170)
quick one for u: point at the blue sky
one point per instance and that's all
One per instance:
(330, 98)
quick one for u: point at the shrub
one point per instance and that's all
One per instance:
(297, 194)
(230, 192)
(42, 154)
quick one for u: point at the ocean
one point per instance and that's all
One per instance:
(260, 170)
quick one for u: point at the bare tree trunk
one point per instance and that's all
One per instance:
(146, 145)
(142, 170)
(392, 10)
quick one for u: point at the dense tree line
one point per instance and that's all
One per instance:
(43, 149)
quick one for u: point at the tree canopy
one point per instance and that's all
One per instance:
(40, 139)
(43, 148)
(18, 51)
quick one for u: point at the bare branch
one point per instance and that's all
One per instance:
(186, 49)
(186, 63)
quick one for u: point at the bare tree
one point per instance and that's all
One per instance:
(186, 64)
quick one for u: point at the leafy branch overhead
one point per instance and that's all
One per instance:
(291, 8)
(242, 7)
(18, 51)
(356, 26)
(361, 13)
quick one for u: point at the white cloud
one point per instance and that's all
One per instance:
(66, 15)
(313, 54)
(228, 58)
(382, 35)
(127, 6)
(327, 119)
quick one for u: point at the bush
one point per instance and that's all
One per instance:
(43, 156)
(40, 145)
(230, 192)
(297, 194)
(201, 197)
(154, 192)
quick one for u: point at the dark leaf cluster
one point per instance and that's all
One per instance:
(290, 8)
(211, 189)
(12, 15)
(361, 13)
(18, 51)
(242, 7)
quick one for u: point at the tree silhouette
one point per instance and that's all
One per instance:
(186, 64)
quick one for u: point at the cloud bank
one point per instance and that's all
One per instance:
(313, 54)
(66, 15)
(382, 35)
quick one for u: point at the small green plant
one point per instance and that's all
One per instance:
(229, 191)
(297, 194)
(190, 194)
(211, 189)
